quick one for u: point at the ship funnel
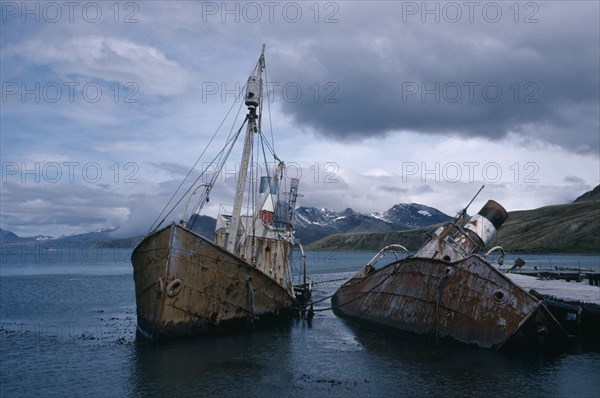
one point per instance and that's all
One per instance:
(452, 243)
(485, 223)
(253, 91)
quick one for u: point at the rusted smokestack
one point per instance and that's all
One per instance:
(482, 226)
(494, 212)
(450, 243)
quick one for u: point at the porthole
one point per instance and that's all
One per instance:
(499, 296)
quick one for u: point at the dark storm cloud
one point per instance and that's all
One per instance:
(376, 74)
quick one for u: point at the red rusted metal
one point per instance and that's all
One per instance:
(447, 291)
(212, 290)
(186, 284)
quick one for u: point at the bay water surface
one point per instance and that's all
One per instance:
(67, 329)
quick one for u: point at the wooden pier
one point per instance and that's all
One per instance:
(570, 274)
(576, 305)
(561, 289)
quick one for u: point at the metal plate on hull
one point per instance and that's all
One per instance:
(468, 301)
(185, 284)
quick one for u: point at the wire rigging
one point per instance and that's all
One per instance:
(197, 179)
(269, 108)
(155, 226)
(204, 197)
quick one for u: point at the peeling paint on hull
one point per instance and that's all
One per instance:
(186, 285)
(468, 301)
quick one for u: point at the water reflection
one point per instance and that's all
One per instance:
(73, 335)
(229, 365)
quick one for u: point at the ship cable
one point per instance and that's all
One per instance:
(330, 280)
(153, 227)
(269, 109)
(360, 296)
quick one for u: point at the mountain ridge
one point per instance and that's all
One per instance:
(569, 228)
(313, 224)
(589, 196)
(566, 228)
(563, 228)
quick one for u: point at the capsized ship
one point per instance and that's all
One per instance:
(187, 284)
(448, 291)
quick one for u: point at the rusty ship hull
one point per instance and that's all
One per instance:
(186, 284)
(468, 301)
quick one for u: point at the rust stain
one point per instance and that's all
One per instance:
(210, 292)
(415, 295)
(448, 291)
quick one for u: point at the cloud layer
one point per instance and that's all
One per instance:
(482, 79)
(376, 103)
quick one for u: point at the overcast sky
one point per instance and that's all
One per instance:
(106, 105)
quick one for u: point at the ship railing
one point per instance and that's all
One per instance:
(500, 249)
(394, 249)
(370, 267)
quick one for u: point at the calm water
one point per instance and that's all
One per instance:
(67, 328)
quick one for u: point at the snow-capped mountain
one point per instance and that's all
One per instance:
(99, 235)
(306, 216)
(412, 216)
(10, 237)
(313, 224)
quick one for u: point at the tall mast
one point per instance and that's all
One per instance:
(253, 97)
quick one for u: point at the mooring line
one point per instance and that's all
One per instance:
(350, 301)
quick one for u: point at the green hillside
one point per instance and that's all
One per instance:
(570, 228)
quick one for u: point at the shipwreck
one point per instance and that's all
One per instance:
(188, 284)
(448, 291)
